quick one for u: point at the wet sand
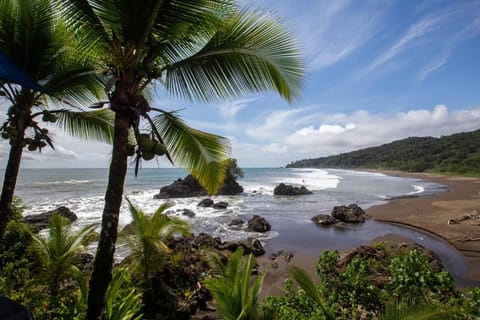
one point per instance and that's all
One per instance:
(429, 213)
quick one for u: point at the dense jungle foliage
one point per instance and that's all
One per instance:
(457, 154)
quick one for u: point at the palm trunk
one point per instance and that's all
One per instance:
(102, 271)
(10, 181)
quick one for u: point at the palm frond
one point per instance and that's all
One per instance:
(202, 153)
(252, 52)
(231, 289)
(92, 125)
(148, 241)
(306, 283)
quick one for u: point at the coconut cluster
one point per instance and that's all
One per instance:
(148, 147)
(49, 117)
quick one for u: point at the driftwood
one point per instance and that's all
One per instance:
(469, 237)
(474, 215)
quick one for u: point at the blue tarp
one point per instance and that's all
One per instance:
(10, 310)
(11, 73)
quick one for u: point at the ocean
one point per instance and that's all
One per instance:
(82, 190)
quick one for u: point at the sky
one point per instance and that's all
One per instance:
(376, 71)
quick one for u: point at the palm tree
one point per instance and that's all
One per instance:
(60, 250)
(37, 42)
(235, 298)
(147, 241)
(204, 50)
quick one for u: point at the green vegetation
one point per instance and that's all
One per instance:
(230, 286)
(370, 287)
(378, 282)
(149, 251)
(454, 154)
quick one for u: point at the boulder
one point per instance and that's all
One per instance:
(189, 213)
(350, 214)
(230, 188)
(220, 205)
(258, 224)
(41, 220)
(182, 188)
(251, 245)
(289, 190)
(190, 187)
(324, 219)
(205, 203)
(236, 222)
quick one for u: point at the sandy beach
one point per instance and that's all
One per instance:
(429, 213)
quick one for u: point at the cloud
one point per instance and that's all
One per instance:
(275, 124)
(363, 129)
(472, 30)
(230, 108)
(407, 41)
(335, 30)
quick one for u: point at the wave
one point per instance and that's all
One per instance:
(313, 179)
(417, 189)
(73, 181)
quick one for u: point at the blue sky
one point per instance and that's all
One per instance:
(377, 71)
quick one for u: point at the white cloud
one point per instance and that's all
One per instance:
(362, 129)
(407, 41)
(230, 108)
(275, 124)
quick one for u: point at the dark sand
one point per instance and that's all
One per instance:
(429, 213)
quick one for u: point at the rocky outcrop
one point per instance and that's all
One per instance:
(289, 190)
(205, 203)
(258, 224)
(182, 188)
(220, 205)
(41, 220)
(203, 240)
(230, 188)
(349, 214)
(190, 187)
(324, 219)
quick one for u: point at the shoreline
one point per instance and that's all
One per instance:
(428, 214)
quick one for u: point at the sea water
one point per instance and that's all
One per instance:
(82, 190)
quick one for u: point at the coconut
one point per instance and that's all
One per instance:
(145, 143)
(148, 155)
(159, 149)
(130, 150)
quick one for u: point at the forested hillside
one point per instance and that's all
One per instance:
(457, 153)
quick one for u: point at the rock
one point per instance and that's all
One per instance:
(323, 219)
(41, 220)
(289, 190)
(351, 213)
(258, 224)
(251, 245)
(220, 205)
(230, 188)
(236, 222)
(205, 203)
(188, 187)
(189, 213)
(85, 262)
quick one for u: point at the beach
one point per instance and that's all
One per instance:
(429, 213)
